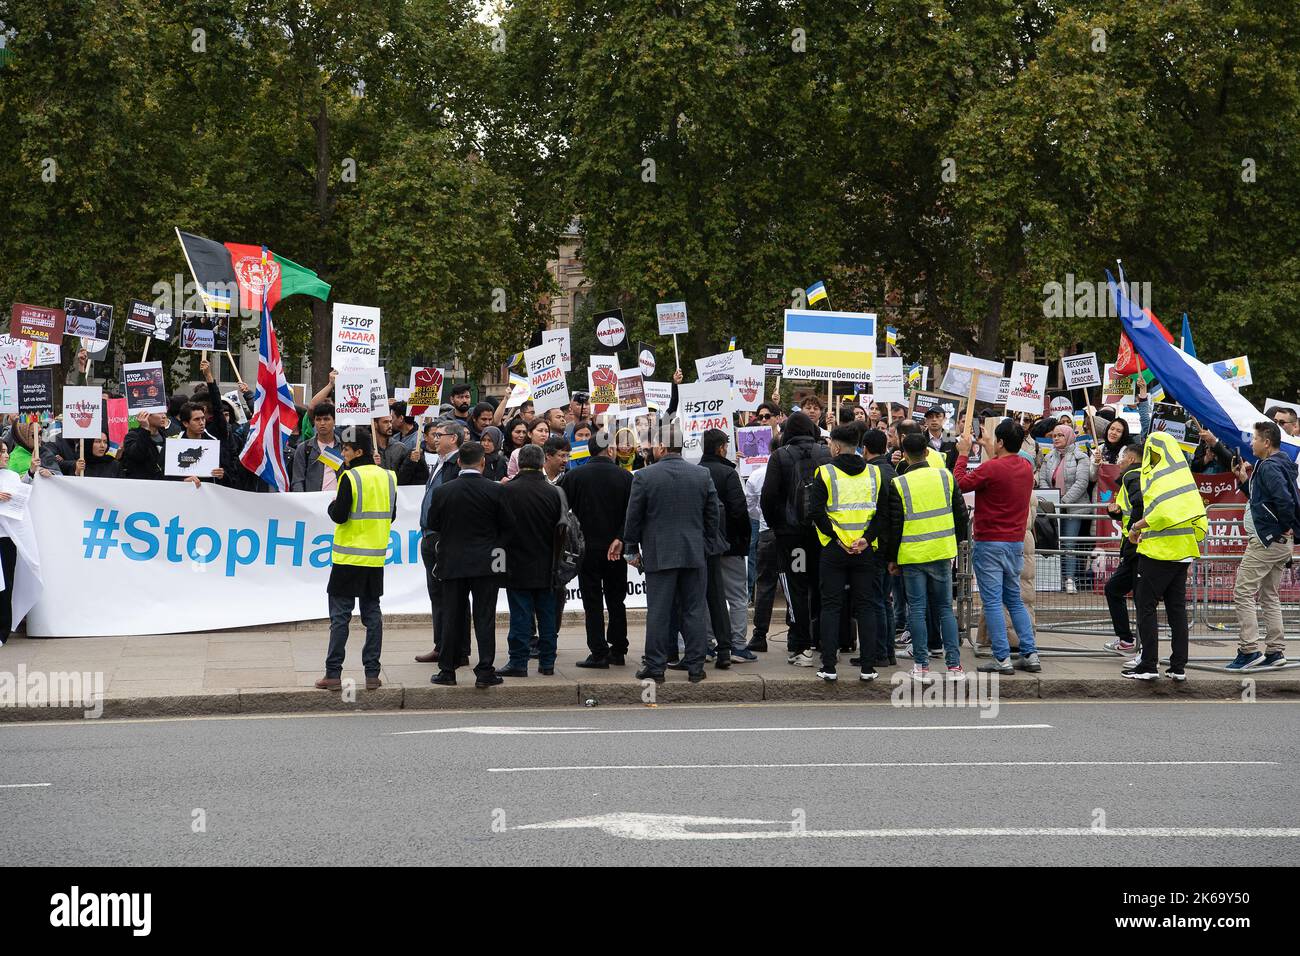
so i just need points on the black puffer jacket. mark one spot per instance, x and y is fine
(783, 483)
(731, 499)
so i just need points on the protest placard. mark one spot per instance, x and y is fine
(426, 390)
(1080, 371)
(1004, 388)
(702, 406)
(658, 395)
(672, 317)
(951, 406)
(35, 390)
(140, 317)
(146, 388)
(546, 381)
(718, 368)
(563, 338)
(36, 324)
(88, 320)
(1061, 405)
(748, 387)
(602, 382)
(83, 411)
(1234, 371)
(378, 392)
(355, 339)
(961, 368)
(236, 402)
(117, 415)
(887, 384)
(203, 332)
(755, 445)
(828, 345)
(611, 331)
(352, 398)
(773, 359)
(1028, 388)
(631, 391)
(191, 457)
(1117, 389)
(645, 359)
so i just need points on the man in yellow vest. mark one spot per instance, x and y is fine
(844, 510)
(1168, 538)
(927, 520)
(364, 509)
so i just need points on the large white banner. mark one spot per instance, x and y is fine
(151, 557)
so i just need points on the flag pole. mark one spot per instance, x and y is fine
(239, 378)
(676, 354)
(145, 354)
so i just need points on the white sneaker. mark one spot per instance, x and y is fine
(1069, 586)
(804, 659)
(956, 673)
(922, 675)
(903, 638)
(829, 676)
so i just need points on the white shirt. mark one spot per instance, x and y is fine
(753, 491)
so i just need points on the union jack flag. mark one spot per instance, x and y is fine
(274, 415)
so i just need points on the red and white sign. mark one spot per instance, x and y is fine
(426, 391)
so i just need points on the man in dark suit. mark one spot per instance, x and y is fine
(532, 513)
(934, 421)
(467, 515)
(447, 438)
(672, 527)
(598, 494)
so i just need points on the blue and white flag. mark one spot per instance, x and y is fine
(1193, 384)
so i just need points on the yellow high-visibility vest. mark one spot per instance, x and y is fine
(362, 540)
(1171, 505)
(929, 532)
(936, 458)
(850, 501)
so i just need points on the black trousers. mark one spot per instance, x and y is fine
(800, 562)
(8, 561)
(456, 595)
(1120, 585)
(1162, 581)
(853, 579)
(686, 587)
(604, 586)
(715, 596)
(765, 584)
(434, 587)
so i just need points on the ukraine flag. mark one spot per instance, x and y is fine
(816, 293)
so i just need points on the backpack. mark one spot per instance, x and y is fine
(805, 468)
(569, 544)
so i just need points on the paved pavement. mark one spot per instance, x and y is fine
(271, 670)
(1046, 783)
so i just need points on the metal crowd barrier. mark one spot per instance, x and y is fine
(1093, 558)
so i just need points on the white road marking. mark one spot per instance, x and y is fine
(656, 826)
(17, 786)
(878, 765)
(561, 731)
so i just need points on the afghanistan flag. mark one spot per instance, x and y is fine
(219, 265)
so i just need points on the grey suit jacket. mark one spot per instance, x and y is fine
(673, 516)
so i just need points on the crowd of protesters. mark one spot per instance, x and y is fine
(856, 518)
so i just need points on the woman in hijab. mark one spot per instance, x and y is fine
(97, 464)
(494, 463)
(1067, 469)
(625, 450)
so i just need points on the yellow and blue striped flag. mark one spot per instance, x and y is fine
(891, 335)
(331, 458)
(731, 346)
(579, 454)
(816, 293)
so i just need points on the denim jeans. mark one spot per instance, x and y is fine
(930, 585)
(340, 618)
(1069, 562)
(753, 556)
(997, 567)
(526, 606)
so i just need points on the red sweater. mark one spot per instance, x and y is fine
(1002, 488)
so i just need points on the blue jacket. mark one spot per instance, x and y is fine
(1274, 502)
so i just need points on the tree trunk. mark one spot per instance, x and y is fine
(321, 312)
